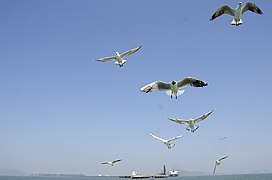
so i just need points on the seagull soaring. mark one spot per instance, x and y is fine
(173, 88)
(112, 162)
(218, 162)
(192, 122)
(119, 57)
(237, 13)
(168, 141)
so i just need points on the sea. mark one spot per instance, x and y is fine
(213, 177)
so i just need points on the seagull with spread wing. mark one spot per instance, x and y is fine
(237, 13)
(119, 58)
(218, 162)
(173, 88)
(168, 141)
(192, 122)
(112, 162)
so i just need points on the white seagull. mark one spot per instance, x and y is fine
(112, 162)
(173, 88)
(168, 141)
(218, 162)
(237, 13)
(119, 57)
(192, 122)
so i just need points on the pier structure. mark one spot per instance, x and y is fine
(144, 176)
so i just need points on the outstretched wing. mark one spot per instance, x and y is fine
(223, 158)
(190, 81)
(223, 10)
(106, 59)
(178, 121)
(130, 52)
(204, 116)
(214, 169)
(252, 7)
(156, 137)
(105, 163)
(174, 138)
(154, 86)
(115, 161)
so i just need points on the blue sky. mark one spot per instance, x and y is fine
(63, 112)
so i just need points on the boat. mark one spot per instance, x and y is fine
(173, 173)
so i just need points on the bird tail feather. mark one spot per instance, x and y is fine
(169, 92)
(237, 23)
(180, 92)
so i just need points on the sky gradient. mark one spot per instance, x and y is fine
(63, 112)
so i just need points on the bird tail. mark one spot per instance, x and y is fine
(169, 92)
(180, 92)
(237, 23)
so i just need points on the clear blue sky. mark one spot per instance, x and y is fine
(63, 112)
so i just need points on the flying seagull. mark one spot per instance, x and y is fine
(237, 13)
(119, 58)
(173, 88)
(112, 162)
(218, 162)
(222, 138)
(166, 142)
(192, 122)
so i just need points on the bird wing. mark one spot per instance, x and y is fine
(178, 121)
(214, 167)
(154, 86)
(223, 158)
(106, 59)
(156, 137)
(223, 10)
(190, 81)
(105, 163)
(129, 52)
(174, 138)
(117, 160)
(252, 7)
(204, 116)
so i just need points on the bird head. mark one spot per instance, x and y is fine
(174, 82)
(240, 3)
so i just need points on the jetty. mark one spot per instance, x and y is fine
(144, 176)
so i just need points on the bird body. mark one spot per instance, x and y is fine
(237, 13)
(192, 122)
(119, 58)
(174, 87)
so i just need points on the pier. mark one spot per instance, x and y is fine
(144, 176)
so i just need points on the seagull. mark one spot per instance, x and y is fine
(166, 142)
(112, 162)
(237, 13)
(173, 88)
(222, 138)
(119, 57)
(218, 162)
(192, 122)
